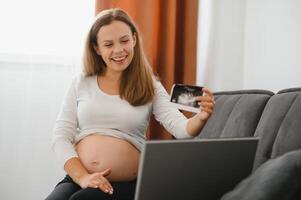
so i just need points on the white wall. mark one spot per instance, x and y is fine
(41, 43)
(272, 44)
(220, 44)
(35, 27)
(252, 44)
(30, 98)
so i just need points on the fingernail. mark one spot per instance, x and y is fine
(106, 190)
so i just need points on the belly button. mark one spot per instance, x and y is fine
(95, 162)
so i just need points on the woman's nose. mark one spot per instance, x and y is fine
(117, 48)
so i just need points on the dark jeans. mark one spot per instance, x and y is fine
(67, 189)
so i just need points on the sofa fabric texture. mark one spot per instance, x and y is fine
(279, 128)
(236, 113)
(278, 178)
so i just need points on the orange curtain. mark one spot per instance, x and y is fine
(169, 33)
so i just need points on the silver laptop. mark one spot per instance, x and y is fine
(193, 169)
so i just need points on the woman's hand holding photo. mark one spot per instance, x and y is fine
(206, 103)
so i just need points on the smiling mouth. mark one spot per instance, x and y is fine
(119, 59)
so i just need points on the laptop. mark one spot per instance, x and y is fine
(193, 169)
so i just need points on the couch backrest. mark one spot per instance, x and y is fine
(279, 128)
(236, 113)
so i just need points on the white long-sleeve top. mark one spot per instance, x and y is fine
(86, 110)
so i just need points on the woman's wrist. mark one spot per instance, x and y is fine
(195, 125)
(75, 169)
(201, 118)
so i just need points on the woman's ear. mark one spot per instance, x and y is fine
(134, 39)
(96, 49)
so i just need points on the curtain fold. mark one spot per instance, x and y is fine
(169, 33)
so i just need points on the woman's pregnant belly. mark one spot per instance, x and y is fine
(98, 152)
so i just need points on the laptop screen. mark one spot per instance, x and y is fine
(193, 169)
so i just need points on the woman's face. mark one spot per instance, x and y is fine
(115, 44)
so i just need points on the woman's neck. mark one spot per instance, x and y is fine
(109, 82)
(113, 77)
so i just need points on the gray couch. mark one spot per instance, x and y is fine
(276, 119)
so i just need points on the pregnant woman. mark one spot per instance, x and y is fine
(101, 127)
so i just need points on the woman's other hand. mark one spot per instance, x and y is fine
(97, 180)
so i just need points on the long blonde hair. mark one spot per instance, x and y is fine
(136, 84)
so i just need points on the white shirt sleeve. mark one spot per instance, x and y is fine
(66, 127)
(168, 115)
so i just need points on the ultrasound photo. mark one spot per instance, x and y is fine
(184, 97)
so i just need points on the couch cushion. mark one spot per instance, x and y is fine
(236, 113)
(279, 178)
(279, 128)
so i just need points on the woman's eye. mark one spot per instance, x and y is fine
(107, 45)
(124, 41)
